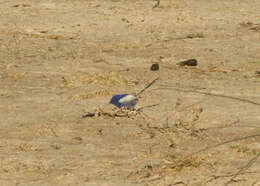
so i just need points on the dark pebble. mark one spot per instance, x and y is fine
(155, 67)
(189, 62)
(88, 115)
(78, 138)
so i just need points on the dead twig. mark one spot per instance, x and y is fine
(148, 106)
(214, 177)
(221, 127)
(232, 126)
(244, 168)
(225, 142)
(212, 94)
(217, 145)
(122, 112)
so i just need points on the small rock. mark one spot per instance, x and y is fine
(189, 62)
(78, 138)
(44, 31)
(154, 67)
(157, 3)
(257, 73)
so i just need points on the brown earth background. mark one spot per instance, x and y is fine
(60, 59)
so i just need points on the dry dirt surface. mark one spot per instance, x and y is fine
(61, 59)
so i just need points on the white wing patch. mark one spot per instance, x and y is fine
(127, 99)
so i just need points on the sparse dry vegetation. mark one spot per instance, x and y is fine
(62, 60)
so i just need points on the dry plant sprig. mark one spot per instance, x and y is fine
(223, 143)
(191, 161)
(241, 170)
(232, 124)
(187, 123)
(244, 168)
(212, 94)
(220, 144)
(214, 177)
(122, 112)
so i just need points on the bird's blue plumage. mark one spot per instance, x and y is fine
(115, 100)
(124, 100)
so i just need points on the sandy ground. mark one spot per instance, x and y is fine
(60, 59)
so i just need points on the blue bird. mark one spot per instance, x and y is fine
(128, 100)
(124, 100)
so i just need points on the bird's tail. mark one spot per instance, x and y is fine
(150, 84)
